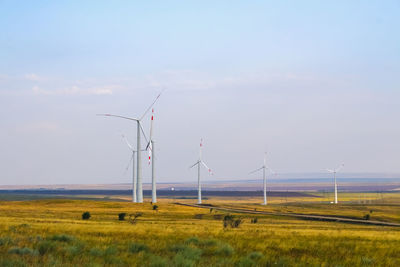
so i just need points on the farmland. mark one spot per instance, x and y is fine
(51, 232)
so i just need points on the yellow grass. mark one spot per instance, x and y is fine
(272, 241)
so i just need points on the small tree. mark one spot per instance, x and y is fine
(367, 216)
(121, 216)
(155, 207)
(86, 215)
(133, 217)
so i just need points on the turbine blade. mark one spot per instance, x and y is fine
(117, 116)
(141, 128)
(209, 170)
(256, 170)
(340, 167)
(126, 141)
(194, 164)
(265, 158)
(152, 104)
(149, 146)
(201, 146)
(151, 124)
(129, 164)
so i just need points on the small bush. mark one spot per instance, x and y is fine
(367, 217)
(12, 263)
(86, 215)
(209, 242)
(229, 220)
(192, 240)
(245, 262)
(96, 252)
(157, 261)
(137, 247)
(187, 252)
(224, 250)
(5, 241)
(181, 261)
(254, 220)
(62, 238)
(133, 217)
(22, 251)
(155, 207)
(255, 255)
(111, 250)
(366, 261)
(45, 247)
(121, 216)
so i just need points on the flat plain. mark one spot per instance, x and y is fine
(51, 232)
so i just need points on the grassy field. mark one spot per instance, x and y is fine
(52, 233)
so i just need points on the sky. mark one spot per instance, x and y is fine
(312, 83)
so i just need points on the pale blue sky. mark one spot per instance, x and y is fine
(315, 83)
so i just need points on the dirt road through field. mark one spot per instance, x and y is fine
(297, 215)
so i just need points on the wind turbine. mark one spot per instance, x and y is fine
(334, 171)
(263, 168)
(198, 163)
(139, 187)
(150, 148)
(134, 198)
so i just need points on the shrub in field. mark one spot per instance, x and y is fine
(62, 238)
(245, 262)
(255, 255)
(224, 250)
(254, 220)
(5, 241)
(367, 217)
(181, 261)
(133, 217)
(46, 246)
(86, 215)
(111, 250)
(192, 240)
(230, 220)
(137, 247)
(96, 252)
(75, 249)
(155, 207)
(157, 261)
(12, 263)
(366, 261)
(22, 251)
(121, 216)
(187, 252)
(208, 242)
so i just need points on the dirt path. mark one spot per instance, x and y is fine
(297, 215)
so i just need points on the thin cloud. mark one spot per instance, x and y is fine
(73, 90)
(34, 77)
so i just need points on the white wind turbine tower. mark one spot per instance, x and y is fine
(150, 148)
(264, 168)
(139, 186)
(334, 171)
(134, 198)
(198, 163)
